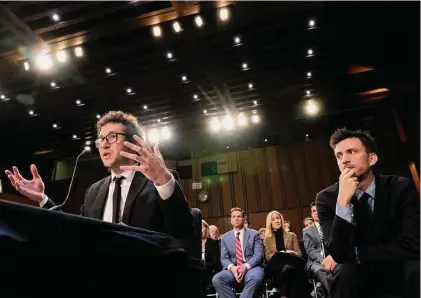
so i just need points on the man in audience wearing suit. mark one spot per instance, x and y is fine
(242, 256)
(313, 245)
(370, 223)
(141, 191)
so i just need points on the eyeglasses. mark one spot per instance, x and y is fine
(110, 138)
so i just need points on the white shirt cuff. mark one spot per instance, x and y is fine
(229, 266)
(165, 191)
(44, 201)
(345, 213)
(248, 266)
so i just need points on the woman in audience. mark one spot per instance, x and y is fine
(287, 226)
(277, 239)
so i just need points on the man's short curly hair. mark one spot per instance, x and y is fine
(364, 136)
(129, 121)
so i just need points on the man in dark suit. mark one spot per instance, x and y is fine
(141, 191)
(313, 245)
(242, 255)
(370, 222)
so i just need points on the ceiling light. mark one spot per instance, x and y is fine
(88, 143)
(78, 102)
(87, 148)
(75, 137)
(145, 107)
(311, 108)
(53, 84)
(26, 66)
(311, 23)
(308, 92)
(176, 26)
(237, 40)
(78, 52)
(108, 70)
(156, 30)
(266, 140)
(54, 125)
(309, 75)
(98, 116)
(165, 133)
(306, 135)
(159, 120)
(61, 56)
(250, 86)
(55, 17)
(3, 96)
(184, 78)
(224, 14)
(195, 96)
(310, 52)
(255, 102)
(255, 119)
(44, 62)
(153, 136)
(245, 66)
(228, 147)
(215, 124)
(199, 21)
(205, 112)
(169, 55)
(228, 123)
(31, 112)
(129, 90)
(242, 120)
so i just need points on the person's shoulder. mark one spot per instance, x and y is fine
(329, 192)
(253, 232)
(292, 234)
(99, 183)
(307, 229)
(393, 179)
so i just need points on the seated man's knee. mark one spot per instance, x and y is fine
(346, 270)
(216, 280)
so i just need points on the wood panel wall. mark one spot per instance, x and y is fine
(286, 179)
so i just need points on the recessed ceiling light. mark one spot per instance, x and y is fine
(108, 70)
(78, 102)
(26, 66)
(78, 52)
(224, 14)
(75, 137)
(195, 96)
(308, 92)
(311, 23)
(177, 27)
(228, 147)
(156, 30)
(53, 84)
(199, 21)
(129, 90)
(145, 107)
(54, 125)
(309, 75)
(61, 56)
(205, 112)
(31, 112)
(310, 52)
(44, 62)
(255, 102)
(266, 140)
(306, 135)
(98, 116)
(169, 55)
(250, 86)
(55, 17)
(3, 96)
(237, 40)
(184, 78)
(159, 120)
(245, 66)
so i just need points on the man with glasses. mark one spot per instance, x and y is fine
(141, 190)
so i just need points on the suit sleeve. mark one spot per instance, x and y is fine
(213, 255)
(313, 254)
(177, 214)
(296, 245)
(407, 245)
(225, 257)
(268, 253)
(259, 252)
(338, 233)
(82, 209)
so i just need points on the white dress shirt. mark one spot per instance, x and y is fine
(241, 236)
(165, 191)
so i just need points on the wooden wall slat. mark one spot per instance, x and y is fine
(300, 181)
(312, 172)
(250, 181)
(214, 197)
(287, 177)
(225, 185)
(276, 194)
(259, 158)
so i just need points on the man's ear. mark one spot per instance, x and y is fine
(373, 158)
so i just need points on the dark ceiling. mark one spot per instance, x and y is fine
(275, 37)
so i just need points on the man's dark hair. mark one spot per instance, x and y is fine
(364, 136)
(312, 204)
(131, 125)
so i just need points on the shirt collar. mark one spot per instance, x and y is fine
(371, 190)
(241, 232)
(128, 175)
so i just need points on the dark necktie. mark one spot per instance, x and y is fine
(363, 220)
(117, 198)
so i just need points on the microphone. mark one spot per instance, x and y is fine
(57, 207)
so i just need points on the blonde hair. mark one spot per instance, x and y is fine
(269, 230)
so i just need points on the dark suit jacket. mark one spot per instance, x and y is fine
(312, 246)
(144, 207)
(213, 255)
(396, 219)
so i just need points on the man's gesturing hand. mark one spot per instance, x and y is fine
(151, 163)
(32, 189)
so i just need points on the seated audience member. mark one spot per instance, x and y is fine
(308, 221)
(313, 245)
(287, 226)
(370, 224)
(210, 255)
(247, 222)
(214, 232)
(262, 232)
(277, 239)
(242, 255)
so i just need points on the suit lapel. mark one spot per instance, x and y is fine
(286, 239)
(138, 183)
(245, 241)
(99, 205)
(316, 234)
(381, 203)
